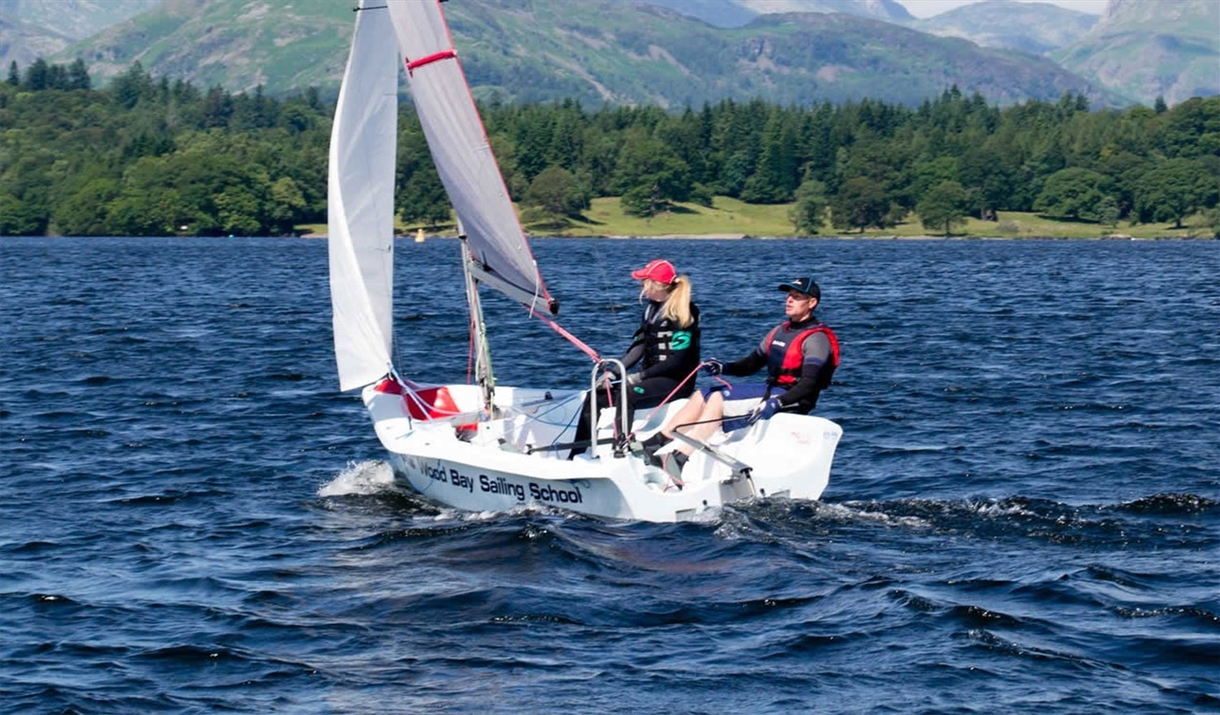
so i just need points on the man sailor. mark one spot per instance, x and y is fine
(800, 356)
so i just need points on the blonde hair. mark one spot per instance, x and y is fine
(677, 305)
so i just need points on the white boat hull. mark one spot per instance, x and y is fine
(496, 465)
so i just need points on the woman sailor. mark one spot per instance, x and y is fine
(665, 348)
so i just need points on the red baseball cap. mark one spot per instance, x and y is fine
(660, 270)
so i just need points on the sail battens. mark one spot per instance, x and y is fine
(461, 151)
(527, 296)
(434, 57)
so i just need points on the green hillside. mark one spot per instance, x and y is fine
(622, 53)
(1169, 48)
(76, 19)
(629, 52)
(1033, 28)
(231, 43)
(30, 29)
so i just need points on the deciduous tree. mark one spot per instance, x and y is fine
(808, 213)
(944, 206)
(557, 192)
(860, 203)
(1074, 193)
(1174, 189)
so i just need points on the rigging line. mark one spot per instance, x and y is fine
(470, 351)
(624, 318)
(722, 418)
(538, 416)
(425, 406)
(537, 271)
(606, 285)
(675, 390)
(537, 290)
(568, 426)
(570, 337)
(395, 337)
(610, 404)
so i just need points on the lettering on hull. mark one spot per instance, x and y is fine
(521, 490)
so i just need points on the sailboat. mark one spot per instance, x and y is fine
(484, 446)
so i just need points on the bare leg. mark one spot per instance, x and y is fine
(709, 421)
(689, 413)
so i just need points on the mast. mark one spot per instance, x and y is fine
(478, 329)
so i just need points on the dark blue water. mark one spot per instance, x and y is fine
(1022, 517)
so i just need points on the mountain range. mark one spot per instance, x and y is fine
(670, 53)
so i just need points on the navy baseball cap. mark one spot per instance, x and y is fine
(804, 285)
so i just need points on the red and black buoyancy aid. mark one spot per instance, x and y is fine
(785, 356)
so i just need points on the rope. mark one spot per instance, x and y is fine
(424, 405)
(610, 403)
(670, 396)
(470, 353)
(706, 422)
(570, 337)
(610, 398)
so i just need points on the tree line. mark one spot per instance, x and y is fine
(155, 156)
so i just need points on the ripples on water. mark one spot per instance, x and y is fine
(1022, 516)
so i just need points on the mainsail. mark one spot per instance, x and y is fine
(455, 135)
(360, 201)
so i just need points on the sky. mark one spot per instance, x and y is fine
(928, 8)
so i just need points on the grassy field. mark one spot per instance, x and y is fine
(726, 218)
(730, 218)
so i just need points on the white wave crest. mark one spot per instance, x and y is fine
(367, 477)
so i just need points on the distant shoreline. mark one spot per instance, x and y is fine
(732, 219)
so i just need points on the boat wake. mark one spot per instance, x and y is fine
(372, 476)
(1162, 520)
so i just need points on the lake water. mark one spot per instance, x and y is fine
(1023, 515)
